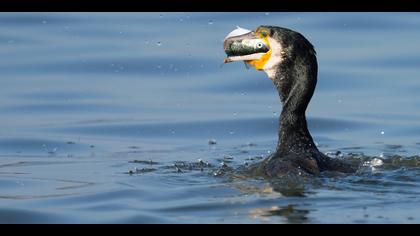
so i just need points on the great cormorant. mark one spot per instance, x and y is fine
(289, 60)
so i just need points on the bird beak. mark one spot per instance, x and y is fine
(244, 45)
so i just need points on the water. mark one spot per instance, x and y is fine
(104, 117)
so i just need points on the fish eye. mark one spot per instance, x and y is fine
(259, 45)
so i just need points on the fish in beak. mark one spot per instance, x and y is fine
(248, 46)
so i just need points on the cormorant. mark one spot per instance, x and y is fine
(289, 60)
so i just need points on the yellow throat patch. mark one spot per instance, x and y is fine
(259, 63)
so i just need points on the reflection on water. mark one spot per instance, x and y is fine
(292, 215)
(129, 118)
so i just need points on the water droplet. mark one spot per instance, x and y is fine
(146, 42)
(377, 162)
(161, 16)
(382, 132)
(44, 22)
(274, 113)
(340, 101)
(159, 43)
(210, 22)
(269, 152)
(231, 132)
(212, 142)
(267, 13)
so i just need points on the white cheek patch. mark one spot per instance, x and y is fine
(276, 58)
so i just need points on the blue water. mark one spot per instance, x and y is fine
(87, 100)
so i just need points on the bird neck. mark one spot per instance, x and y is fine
(295, 82)
(294, 135)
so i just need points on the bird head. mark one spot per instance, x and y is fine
(268, 48)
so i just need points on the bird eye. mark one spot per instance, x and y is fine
(264, 34)
(259, 45)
